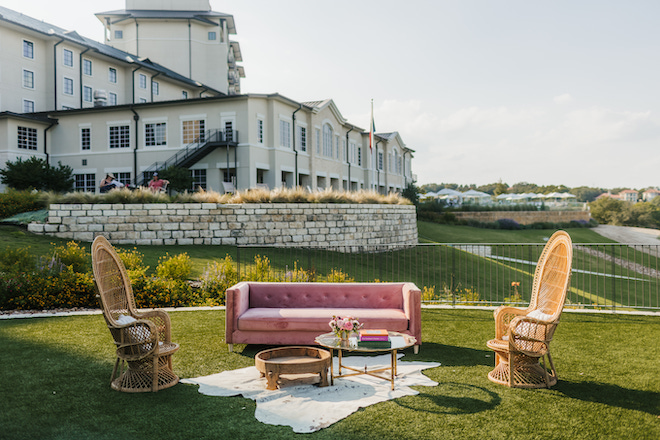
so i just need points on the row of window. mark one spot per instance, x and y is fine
(155, 134)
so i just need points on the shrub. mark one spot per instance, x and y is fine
(162, 292)
(337, 276)
(507, 223)
(43, 289)
(177, 268)
(217, 278)
(15, 202)
(16, 260)
(38, 174)
(298, 275)
(75, 256)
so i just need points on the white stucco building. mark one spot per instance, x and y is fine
(127, 108)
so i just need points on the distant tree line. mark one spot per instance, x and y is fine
(581, 193)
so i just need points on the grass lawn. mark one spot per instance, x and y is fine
(437, 233)
(54, 384)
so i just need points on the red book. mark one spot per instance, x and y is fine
(374, 335)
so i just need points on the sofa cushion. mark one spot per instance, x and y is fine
(329, 295)
(318, 319)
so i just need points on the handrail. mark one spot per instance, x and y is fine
(209, 136)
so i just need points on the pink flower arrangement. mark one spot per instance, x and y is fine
(342, 327)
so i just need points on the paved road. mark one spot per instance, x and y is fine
(629, 235)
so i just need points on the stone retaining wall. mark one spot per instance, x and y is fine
(324, 225)
(525, 217)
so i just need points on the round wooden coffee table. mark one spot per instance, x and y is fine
(292, 360)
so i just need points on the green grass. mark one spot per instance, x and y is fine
(55, 375)
(437, 233)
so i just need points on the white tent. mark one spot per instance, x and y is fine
(476, 196)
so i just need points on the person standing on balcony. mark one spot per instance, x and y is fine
(156, 184)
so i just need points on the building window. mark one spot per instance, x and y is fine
(199, 179)
(260, 131)
(184, 95)
(229, 131)
(119, 136)
(327, 140)
(337, 145)
(155, 134)
(27, 138)
(318, 141)
(67, 58)
(87, 94)
(84, 182)
(112, 75)
(28, 79)
(112, 98)
(87, 67)
(85, 138)
(68, 86)
(359, 154)
(28, 106)
(143, 81)
(124, 178)
(302, 138)
(213, 35)
(380, 161)
(193, 131)
(119, 35)
(285, 134)
(154, 88)
(28, 49)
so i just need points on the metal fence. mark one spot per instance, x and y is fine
(605, 276)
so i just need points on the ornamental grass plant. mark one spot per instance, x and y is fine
(252, 195)
(55, 384)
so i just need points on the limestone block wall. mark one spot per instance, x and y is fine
(323, 225)
(525, 217)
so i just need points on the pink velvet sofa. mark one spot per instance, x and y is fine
(296, 313)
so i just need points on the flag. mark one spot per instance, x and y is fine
(372, 127)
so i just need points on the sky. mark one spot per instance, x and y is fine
(552, 93)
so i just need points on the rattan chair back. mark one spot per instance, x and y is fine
(112, 281)
(552, 276)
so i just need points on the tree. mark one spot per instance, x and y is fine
(35, 173)
(609, 211)
(180, 178)
(411, 192)
(586, 194)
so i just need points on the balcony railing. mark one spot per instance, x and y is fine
(605, 276)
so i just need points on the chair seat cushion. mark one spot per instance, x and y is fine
(318, 319)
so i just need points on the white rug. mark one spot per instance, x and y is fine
(308, 408)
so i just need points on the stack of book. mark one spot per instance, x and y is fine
(374, 338)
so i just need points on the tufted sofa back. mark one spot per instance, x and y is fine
(308, 295)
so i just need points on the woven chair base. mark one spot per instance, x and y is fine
(527, 373)
(138, 377)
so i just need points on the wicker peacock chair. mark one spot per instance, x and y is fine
(144, 348)
(522, 336)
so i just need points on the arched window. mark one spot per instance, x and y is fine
(327, 140)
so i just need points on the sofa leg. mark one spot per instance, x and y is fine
(231, 347)
(416, 349)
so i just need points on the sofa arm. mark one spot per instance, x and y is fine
(412, 307)
(237, 301)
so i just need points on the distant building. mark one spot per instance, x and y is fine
(650, 194)
(627, 195)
